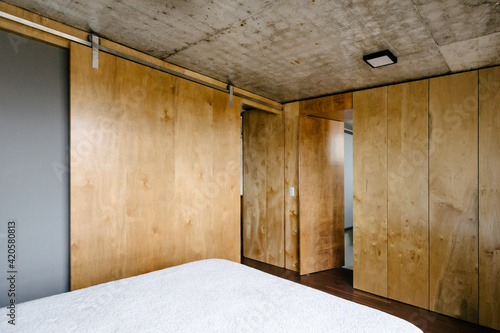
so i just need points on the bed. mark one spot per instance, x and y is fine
(211, 295)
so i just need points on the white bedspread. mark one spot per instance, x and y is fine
(204, 296)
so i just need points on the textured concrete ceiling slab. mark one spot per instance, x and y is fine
(472, 53)
(291, 50)
(159, 28)
(296, 54)
(457, 20)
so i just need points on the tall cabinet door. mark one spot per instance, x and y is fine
(370, 190)
(408, 222)
(321, 185)
(263, 191)
(453, 195)
(489, 197)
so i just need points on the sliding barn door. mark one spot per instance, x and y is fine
(321, 200)
(155, 170)
(263, 191)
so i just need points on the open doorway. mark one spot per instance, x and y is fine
(262, 202)
(321, 184)
(325, 167)
(348, 195)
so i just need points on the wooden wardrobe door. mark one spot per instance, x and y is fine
(370, 190)
(321, 200)
(408, 188)
(263, 191)
(489, 197)
(453, 195)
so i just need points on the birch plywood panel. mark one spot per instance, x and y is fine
(370, 190)
(453, 195)
(321, 183)
(154, 171)
(291, 114)
(489, 197)
(334, 107)
(263, 193)
(408, 221)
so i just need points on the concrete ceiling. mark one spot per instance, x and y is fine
(295, 49)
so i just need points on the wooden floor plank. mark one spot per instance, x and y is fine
(338, 282)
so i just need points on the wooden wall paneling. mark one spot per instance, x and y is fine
(489, 197)
(407, 168)
(453, 195)
(370, 190)
(334, 107)
(321, 204)
(291, 114)
(275, 192)
(252, 105)
(263, 191)
(154, 171)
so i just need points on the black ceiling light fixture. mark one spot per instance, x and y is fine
(379, 59)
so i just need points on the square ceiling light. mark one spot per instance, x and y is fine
(379, 59)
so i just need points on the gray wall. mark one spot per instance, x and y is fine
(348, 179)
(348, 170)
(34, 179)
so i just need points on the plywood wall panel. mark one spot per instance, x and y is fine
(321, 183)
(334, 107)
(489, 197)
(291, 114)
(453, 195)
(263, 191)
(370, 190)
(155, 174)
(408, 222)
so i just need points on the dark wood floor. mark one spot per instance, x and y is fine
(338, 282)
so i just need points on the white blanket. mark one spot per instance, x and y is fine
(204, 296)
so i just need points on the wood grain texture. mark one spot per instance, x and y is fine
(489, 197)
(453, 195)
(249, 105)
(321, 204)
(155, 174)
(334, 107)
(407, 210)
(370, 190)
(263, 192)
(291, 114)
